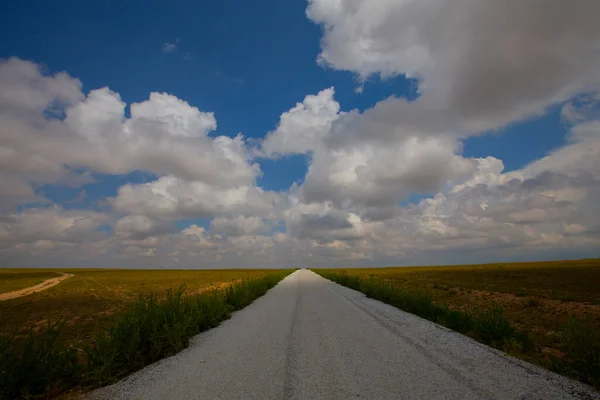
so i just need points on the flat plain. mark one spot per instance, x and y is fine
(92, 295)
(541, 300)
(20, 279)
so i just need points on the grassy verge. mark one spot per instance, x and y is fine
(487, 326)
(92, 296)
(580, 349)
(41, 366)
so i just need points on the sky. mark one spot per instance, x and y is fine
(319, 133)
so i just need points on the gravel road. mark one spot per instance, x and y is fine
(309, 338)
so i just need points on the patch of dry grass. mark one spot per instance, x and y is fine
(92, 295)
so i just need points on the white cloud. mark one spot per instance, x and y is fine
(169, 47)
(378, 174)
(367, 162)
(170, 197)
(139, 227)
(303, 127)
(51, 225)
(578, 158)
(24, 88)
(163, 135)
(238, 225)
(491, 62)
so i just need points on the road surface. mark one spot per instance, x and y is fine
(47, 284)
(309, 338)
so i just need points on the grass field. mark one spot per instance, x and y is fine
(541, 300)
(20, 279)
(90, 296)
(100, 325)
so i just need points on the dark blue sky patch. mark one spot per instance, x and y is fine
(520, 143)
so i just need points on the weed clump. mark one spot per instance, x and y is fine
(35, 364)
(581, 347)
(532, 302)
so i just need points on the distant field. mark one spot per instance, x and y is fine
(91, 295)
(97, 326)
(17, 279)
(538, 298)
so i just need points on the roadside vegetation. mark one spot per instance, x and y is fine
(42, 362)
(545, 313)
(91, 296)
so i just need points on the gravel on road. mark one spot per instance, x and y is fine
(309, 338)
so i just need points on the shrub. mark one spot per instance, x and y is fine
(491, 327)
(582, 352)
(532, 302)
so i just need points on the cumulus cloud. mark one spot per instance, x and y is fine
(476, 72)
(164, 135)
(139, 227)
(491, 62)
(171, 197)
(303, 127)
(51, 226)
(365, 162)
(238, 225)
(51, 133)
(377, 175)
(25, 88)
(480, 66)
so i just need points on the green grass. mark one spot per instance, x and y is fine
(40, 365)
(20, 279)
(545, 313)
(581, 358)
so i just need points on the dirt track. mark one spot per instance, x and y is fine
(47, 284)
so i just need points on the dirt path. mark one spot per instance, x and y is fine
(47, 284)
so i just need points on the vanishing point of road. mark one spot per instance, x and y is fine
(309, 338)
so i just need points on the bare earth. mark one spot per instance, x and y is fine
(47, 284)
(309, 338)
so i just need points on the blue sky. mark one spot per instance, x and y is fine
(249, 63)
(246, 62)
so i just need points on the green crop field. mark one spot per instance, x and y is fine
(555, 304)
